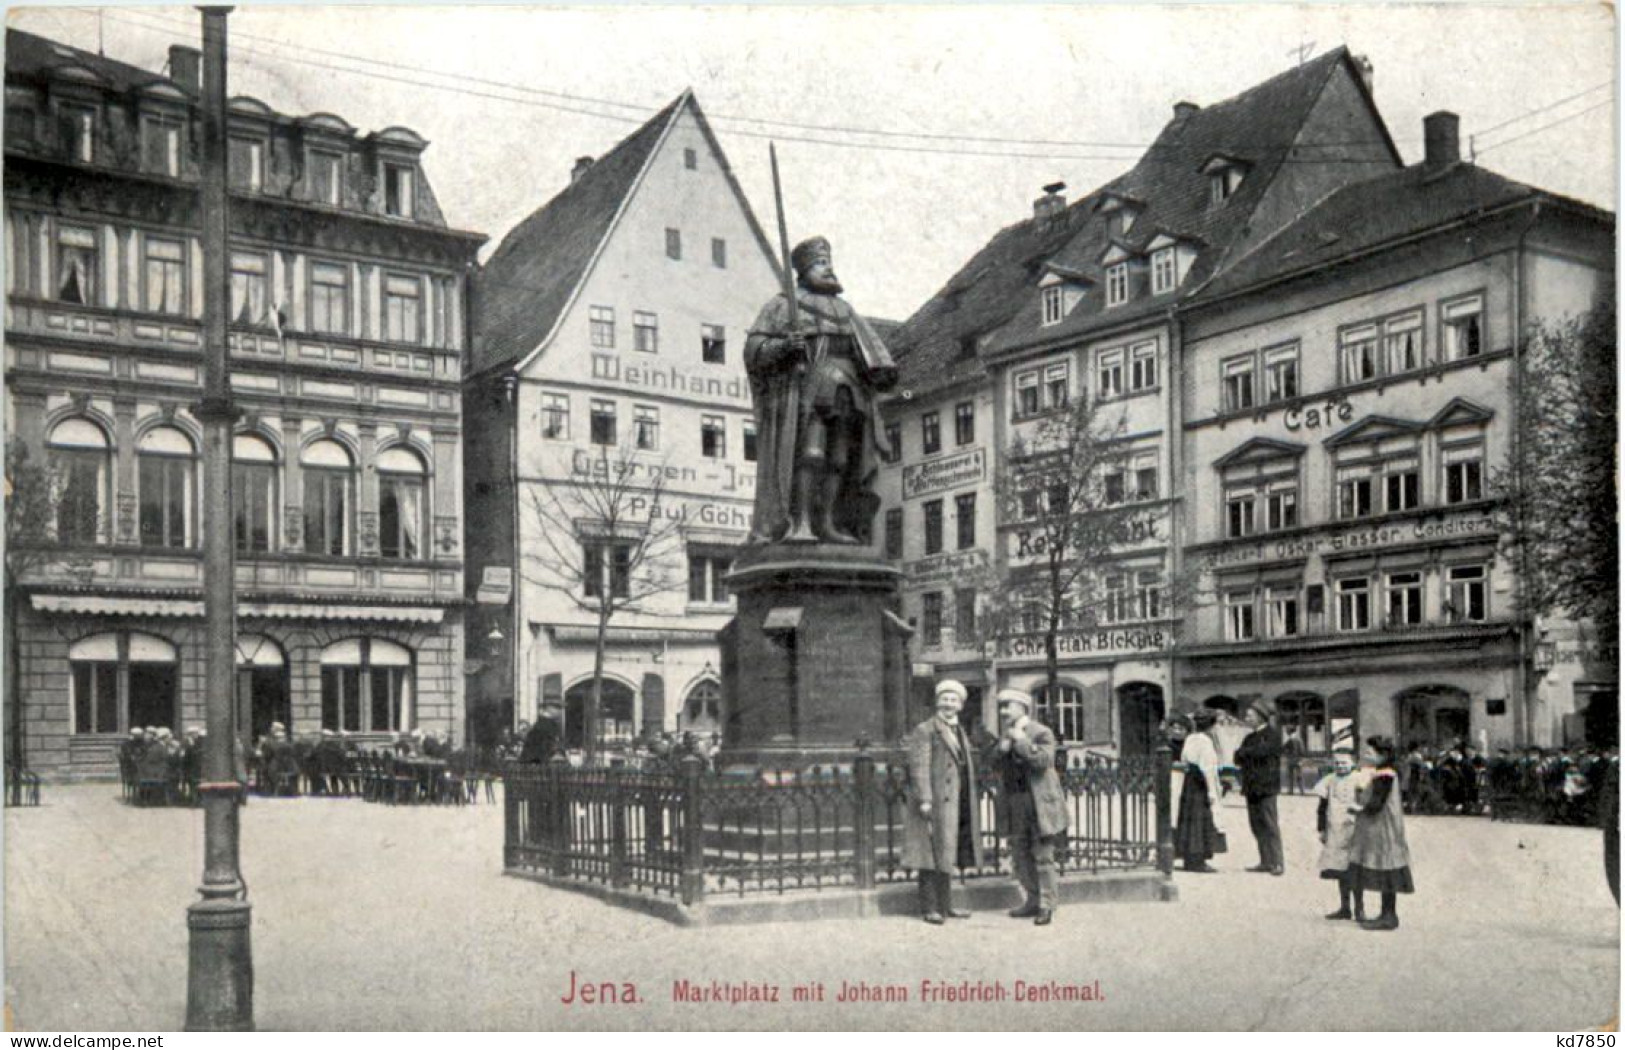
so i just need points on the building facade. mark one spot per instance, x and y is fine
(348, 300)
(612, 447)
(1350, 406)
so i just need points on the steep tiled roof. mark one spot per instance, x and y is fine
(29, 56)
(993, 297)
(524, 287)
(1374, 212)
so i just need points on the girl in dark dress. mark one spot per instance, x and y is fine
(1380, 859)
(1197, 837)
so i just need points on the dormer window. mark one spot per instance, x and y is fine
(1120, 213)
(79, 133)
(1164, 272)
(325, 177)
(246, 163)
(1054, 304)
(1117, 284)
(398, 190)
(161, 145)
(1222, 184)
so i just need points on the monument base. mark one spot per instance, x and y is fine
(815, 664)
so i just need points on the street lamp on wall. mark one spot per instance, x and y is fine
(1545, 656)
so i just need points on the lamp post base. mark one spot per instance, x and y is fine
(220, 967)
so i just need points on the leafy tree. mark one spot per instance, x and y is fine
(1561, 513)
(604, 540)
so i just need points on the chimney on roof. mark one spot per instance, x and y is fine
(582, 164)
(1368, 73)
(185, 63)
(1051, 204)
(1185, 109)
(1441, 132)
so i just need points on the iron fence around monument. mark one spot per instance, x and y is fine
(688, 833)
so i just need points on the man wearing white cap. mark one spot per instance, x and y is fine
(941, 830)
(1032, 803)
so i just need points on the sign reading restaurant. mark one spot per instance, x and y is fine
(949, 472)
(1349, 540)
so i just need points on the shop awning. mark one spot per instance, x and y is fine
(99, 605)
(105, 605)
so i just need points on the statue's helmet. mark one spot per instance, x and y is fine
(811, 250)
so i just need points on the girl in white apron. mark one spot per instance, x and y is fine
(1337, 791)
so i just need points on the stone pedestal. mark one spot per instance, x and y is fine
(816, 659)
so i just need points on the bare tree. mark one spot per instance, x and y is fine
(32, 544)
(1561, 508)
(604, 539)
(1071, 506)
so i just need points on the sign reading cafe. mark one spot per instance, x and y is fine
(963, 468)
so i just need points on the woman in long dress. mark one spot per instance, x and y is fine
(1197, 837)
(1380, 859)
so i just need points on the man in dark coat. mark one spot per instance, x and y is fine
(542, 742)
(942, 829)
(1259, 757)
(1032, 803)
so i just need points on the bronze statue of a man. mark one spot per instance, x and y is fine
(819, 435)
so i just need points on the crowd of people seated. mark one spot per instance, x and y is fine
(653, 751)
(156, 768)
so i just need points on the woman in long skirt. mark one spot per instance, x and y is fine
(1197, 837)
(1380, 859)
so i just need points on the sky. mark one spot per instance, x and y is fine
(947, 120)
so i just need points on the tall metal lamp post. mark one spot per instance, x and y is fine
(220, 965)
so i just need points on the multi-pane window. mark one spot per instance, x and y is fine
(601, 327)
(76, 265)
(1145, 477)
(894, 532)
(1148, 594)
(965, 519)
(250, 287)
(161, 145)
(931, 619)
(964, 423)
(1462, 321)
(1114, 485)
(606, 568)
(1057, 384)
(1281, 505)
(1031, 503)
(1115, 599)
(1402, 342)
(645, 331)
(645, 428)
(403, 308)
(402, 504)
(245, 163)
(1466, 594)
(719, 253)
(556, 416)
(330, 298)
(1238, 616)
(329, 494)
(1164, 274)
(1053, 302)
(1109, 374)
(932, 509)
(1142, 366)
(713, 437)
(1261, 495)
(1404, 598)
(398, 190)
(1463, 472)
(602, 421)
(894, 441)
(79, 132)
(1117, 284)
(748, 440)
(1281, 373)
(1401, 483)
(324, 174)
(930, 433)
(965, 615)
(1237, 377)
(79, 457)
(253, 494)
(1358, 353)
(1027, 394)
(1354, 491)
(1238, 512)
(367, 686)
(713, 344)
(164, 275)
(121, 680)
(167, 471)
(1353, 604)
(707, 568)
(1222, 184)
(674, 243)
(1062, 712)
(1281, 609)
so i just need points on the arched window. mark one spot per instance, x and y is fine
(367, 686)
(168, 467)
(1062, 713)
(329, 495)
(120, 680)
(401, 504)
(80, 455)
(702, 711)
(253, 494)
